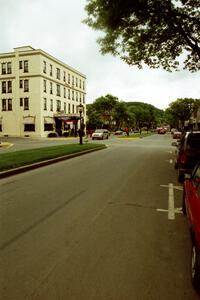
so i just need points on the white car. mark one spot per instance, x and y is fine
(100, 134)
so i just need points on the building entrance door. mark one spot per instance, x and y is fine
(58, 126)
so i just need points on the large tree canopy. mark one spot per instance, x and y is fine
(181, 110)
(151, 32)
(107, 111)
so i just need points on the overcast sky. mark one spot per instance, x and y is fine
(55, 26)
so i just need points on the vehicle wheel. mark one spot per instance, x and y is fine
(195, 267)
(183, 203)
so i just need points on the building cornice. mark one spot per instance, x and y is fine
(33, 51)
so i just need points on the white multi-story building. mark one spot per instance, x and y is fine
(39, 94)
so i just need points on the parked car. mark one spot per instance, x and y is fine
(176, 134)
(161, 130)
(191, 207)
(100, 134)
(188, 153)
(119, 132)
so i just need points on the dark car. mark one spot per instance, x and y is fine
(191, 207)
(188, 153)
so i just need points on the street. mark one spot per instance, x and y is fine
(97, 227)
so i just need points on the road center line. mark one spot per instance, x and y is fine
(171, 211)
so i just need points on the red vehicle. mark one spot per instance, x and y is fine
(161, 130)
(191, 207)
(188, 153)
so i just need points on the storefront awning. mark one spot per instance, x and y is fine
(71, 118)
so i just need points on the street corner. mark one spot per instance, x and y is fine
(5, 145)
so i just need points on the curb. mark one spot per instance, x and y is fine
(26, 168)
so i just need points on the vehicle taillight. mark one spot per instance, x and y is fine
(183, 158)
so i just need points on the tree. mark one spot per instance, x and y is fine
(121, 115)
(181, 110)
(105, 107)
(94, 119)
(145, 114)
(151, 32)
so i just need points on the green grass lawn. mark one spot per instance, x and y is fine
(137, 135)
(20, 158)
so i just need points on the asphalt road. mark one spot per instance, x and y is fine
(96, 227)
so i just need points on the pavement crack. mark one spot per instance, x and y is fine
(38, 222)
(134, 204)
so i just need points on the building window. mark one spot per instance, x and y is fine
(76, 82)
(45, 86)
(69, 94)
(58, 90)
(3, 104)
(0, 127)
(80, 83)
(26, 66)
(72, 80)
(72, 95)
(80, 97)
(76, 96)
(29, 127)
(45, 103)
(51, 88)
(10, 104)
(58, 102)
(6, 104)
(69, 108)
(9, 86)
(51, 70)
(68, 78)
(57, 73)
(83, 85)
(21, 102)
(26, 103)
(48, 127)
(3, 68)
(65, 108)
(21, 84)
(51, 105)
(9, 68)
(64, 76)
(73, 108)
(21, 64)
(3, 87)
(83, 98)
(44, 67)
(26, 85)
(64, 92)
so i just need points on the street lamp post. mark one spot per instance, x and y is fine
(80, 109)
